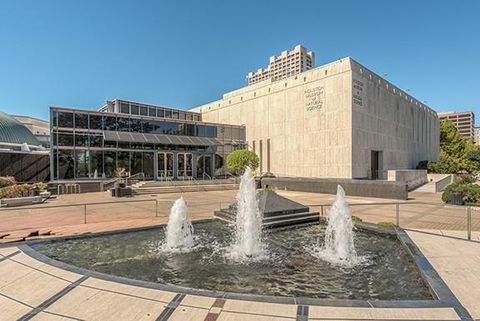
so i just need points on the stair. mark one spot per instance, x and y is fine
(277, 210)
(159, 187)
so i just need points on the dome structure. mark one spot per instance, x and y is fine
(15, 133)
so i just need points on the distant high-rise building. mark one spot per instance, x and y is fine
(476, 135)
(464, 121)
(287, 64)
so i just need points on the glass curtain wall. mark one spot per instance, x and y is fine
(80, 152)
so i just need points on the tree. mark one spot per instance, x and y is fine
(241, 158)
(457, 153)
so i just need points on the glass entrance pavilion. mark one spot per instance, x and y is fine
(162, 143)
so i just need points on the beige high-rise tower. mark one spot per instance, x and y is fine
(289, 63)
(464, 121)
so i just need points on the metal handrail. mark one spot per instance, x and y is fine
(467, 208)
(141, 174)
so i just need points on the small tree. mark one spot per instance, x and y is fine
(241, 158)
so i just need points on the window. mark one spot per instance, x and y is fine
(81, 140)
(134, 109)
(143, 111)
(123, 124)
(136, 125)
(96, 122)
(65, 119)
(65, 139)
(109, 123)
(124, 108)
(152, 112)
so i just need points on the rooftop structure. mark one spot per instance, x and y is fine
(288, 63)
(15, 136)
(38, 127)
(464, 121)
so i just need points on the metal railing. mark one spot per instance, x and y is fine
(410, 215)
(138, 176)
(450, 213)
(70, 188)
(20, 218)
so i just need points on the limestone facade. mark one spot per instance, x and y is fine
(328, 122)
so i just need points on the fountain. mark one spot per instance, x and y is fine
(179, 232)
(247, 241)
(339, 247)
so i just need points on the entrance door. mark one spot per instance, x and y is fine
(184, 165)
(375, 164)
(165, 165)
(204, 167)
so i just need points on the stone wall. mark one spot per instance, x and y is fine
(389, 120)
(413, 178)
(325, 123)
(352, 187)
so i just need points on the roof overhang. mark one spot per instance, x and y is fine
(160, 139)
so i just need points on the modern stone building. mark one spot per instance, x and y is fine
(287, 64)
(339, 120)
(464, 121)
(160, 142)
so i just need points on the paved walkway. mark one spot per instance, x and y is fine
(33, 290)
(147, 210)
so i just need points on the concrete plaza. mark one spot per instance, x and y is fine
(39, 291)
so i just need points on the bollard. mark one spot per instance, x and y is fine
(321, 210)
(84, 213)
(397, 212)
(156, 208)
(469, 223)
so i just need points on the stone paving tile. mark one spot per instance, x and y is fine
(8, 250)
(338, 313)
(269, 309)
(11, 310)
(197, 301)
(129, 290)
(27, 285)
(92, 304)
(458, 264)
(183, 313)
(229, 316)
(44, 316)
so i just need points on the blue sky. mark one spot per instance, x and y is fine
(183, 54)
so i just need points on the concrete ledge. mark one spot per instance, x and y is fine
(352, 187)
(20, 201)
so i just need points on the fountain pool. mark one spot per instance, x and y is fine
(386, 273)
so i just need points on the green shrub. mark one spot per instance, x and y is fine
(471, 192)
(356, 219)
(465, 178)
(40, 186)
(442, 167)
(241, 158)
(7, 181)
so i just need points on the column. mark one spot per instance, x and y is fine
(155, 165)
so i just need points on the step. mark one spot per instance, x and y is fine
(277, 221)
(288, 216)
(179, 189)
(292, 221)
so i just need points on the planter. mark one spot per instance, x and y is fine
(121, 191)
